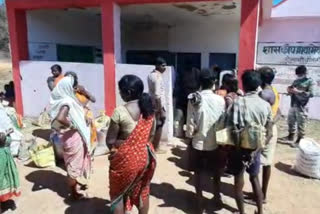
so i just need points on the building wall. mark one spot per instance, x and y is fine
(210, 37)
(297, 8)
(144, 39)
(76, 27)
(207, 37)
(117, 33)
(34, 85)
(35, 92)
(291, 30)
(70, 27)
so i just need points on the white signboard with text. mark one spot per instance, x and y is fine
(43, 52)
(275, 53)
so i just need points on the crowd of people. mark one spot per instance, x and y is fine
(246, 118)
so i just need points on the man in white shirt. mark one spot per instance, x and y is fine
(157, 92)
(205, 108)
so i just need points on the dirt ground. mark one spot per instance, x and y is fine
(45, 190)
(172, 190)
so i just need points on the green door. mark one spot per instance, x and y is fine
(72, 53)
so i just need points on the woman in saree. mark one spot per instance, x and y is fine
(85, 97)
(68, 119)
(9, 177)
(132, 159)
(10, 120)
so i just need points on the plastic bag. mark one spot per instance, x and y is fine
(42, 153)
(102, 121)
(308, 158)
(101, 148)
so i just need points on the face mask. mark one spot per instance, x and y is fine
(301, 77)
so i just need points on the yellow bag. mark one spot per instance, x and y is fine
(43, 155)
(224, 138)
(102, 121)
(253, 137)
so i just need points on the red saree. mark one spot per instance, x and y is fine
(132, 168)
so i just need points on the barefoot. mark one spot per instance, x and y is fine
(199, 207)
(253, 202)
(248, 195)
(9, 205)
(264, 201)
(217, 202)
(161, 151)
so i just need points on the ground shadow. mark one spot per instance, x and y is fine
(8, 205)
(31, 164)
(45, 179)
(42, 133)
(91, 206)
(226, 188)
(172, 197)
(181, 199)
(180, 159)
(286, 168)
(285, 143)
(289, 170)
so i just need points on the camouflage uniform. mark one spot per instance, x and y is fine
(298, 113)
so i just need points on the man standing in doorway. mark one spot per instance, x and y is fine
(157, 91)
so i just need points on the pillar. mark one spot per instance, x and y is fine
(107, 15)
(17, 24)
(248, 35)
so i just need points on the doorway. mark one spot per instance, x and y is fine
(148, 57)
(226, 61)
(187, 61)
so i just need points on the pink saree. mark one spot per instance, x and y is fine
(76, 157)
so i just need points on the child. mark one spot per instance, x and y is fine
(300, 91)
(9, 178)
(270, 95)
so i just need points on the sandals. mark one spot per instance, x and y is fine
(218, 203)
